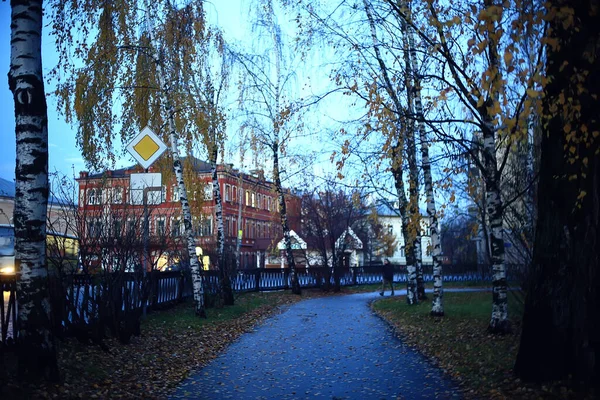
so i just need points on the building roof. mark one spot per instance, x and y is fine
(197, 164)
(7, 188)
(386, 208)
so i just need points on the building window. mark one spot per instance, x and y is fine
(175, 193)
(163, 194)
(226, 227)
(401, 251)
(160, 226)
(227, 192)
(94, 196)
(208, 192)
(247, 197)
(253, 199)
(94, 227)
(130, 226)
(117, 195)
(205, 227)
(234, 192)
(117, 227)
(390, 229)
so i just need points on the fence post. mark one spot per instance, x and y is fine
(286, 274)
(257, 280)
(154, 283)
(354, 272)
(181, 284)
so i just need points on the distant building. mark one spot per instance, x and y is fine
(108, 196)
(388, 216)
(62, 241)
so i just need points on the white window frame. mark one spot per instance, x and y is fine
(227, 192)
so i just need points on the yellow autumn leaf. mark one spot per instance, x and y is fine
(508, 56)
(581, 195)
(533, 93)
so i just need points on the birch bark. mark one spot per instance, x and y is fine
(413, 169)
(499, 322)
(36, 345)
(166, 93)
(437, 306)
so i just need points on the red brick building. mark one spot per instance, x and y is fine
(105, 199)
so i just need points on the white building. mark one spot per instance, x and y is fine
(389, 217)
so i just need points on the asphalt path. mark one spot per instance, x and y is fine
(327, 348)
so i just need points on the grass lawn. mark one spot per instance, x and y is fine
(459, 344)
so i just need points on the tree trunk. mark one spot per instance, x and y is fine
(226, 290)
(437, 306)
(561, 335)
(499, 322)
(197, 284)
(284, 222)
(397, 170)
(409, 249)
(413, 169)
(36, 345)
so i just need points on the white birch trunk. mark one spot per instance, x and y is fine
(198, 288)
(226, 291)
(275, 146)
(499, 322)
(284, 224)
(437, 305)
(36, 347)
(413, 170)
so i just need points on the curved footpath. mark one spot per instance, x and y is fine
(325, 348)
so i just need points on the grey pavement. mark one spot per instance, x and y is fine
(325, 348)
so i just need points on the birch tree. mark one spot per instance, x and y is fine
(36, 344)
(493, 93)
(108, 100)
(437, 307)
(272, 118)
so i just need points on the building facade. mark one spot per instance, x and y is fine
(110, 205)
(390, 219)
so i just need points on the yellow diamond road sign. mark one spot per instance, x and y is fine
(146, 147)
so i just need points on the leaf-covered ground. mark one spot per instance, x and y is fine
(459, 344)
(173, 343)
